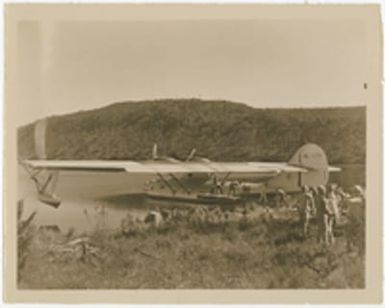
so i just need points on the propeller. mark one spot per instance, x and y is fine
(155, 155)
(191, 156)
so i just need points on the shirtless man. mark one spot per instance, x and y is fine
(306, 209)
(332, 213)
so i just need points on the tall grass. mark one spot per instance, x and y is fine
(25, 235)
(251, 253)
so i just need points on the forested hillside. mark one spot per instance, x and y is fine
(218, 130)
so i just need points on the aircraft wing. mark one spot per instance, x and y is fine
(154, 167)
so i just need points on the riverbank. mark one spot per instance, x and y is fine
(247, 253)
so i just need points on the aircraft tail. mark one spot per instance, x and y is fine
(313, 158)
(310, 156)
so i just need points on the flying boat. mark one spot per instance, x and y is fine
(180, 178)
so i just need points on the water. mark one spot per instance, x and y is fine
(352, 174)
(83, 195)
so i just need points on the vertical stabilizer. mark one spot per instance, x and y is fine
(313, 158)
(310, 156)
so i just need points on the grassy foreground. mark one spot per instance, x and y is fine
(255, 253)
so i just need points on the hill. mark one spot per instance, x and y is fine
(219, 130)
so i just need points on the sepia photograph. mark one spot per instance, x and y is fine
(193, 149)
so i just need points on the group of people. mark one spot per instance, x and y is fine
(229, 188)
(218, 187)
(323, 205)
(326, 205)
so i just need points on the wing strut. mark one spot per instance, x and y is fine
(226, 177)
(166, 183)
(180, 183)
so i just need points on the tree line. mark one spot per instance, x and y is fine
(219, 130)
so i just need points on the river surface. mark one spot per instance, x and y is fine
(83, 195)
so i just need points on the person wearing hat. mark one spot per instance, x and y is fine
(217, 187)
(280, 198)
(233, 188)
(342, 198)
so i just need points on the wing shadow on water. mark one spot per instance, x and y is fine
(125, 201)
(140, 201)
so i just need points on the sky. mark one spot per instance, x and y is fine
(66, 66)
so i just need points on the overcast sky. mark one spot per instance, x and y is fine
(70, 66)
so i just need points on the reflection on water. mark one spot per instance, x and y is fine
(85, 195)
(353, 174)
